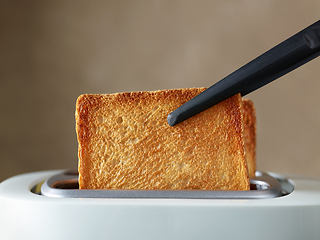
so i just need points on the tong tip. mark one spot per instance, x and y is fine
(172, 119)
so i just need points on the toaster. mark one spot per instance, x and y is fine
(50, 205)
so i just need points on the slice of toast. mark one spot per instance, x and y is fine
(125, 142)
(249, 133)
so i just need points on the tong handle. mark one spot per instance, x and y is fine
(281, 59)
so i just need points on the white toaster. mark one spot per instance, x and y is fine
(49, 205)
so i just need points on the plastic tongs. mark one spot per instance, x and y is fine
(281, 59)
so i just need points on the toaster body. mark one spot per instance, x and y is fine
(26, 212)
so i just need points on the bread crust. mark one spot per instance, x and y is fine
(250, 132)
(125, 142)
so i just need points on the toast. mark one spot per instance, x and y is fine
(249, 133)
(125, 142)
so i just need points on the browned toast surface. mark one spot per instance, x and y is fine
(125, 142)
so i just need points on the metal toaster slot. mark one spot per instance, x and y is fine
(66, 185)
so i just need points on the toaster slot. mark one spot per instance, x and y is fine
(66, 185)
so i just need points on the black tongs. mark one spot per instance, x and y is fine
(281, 59)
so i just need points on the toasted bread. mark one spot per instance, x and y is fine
(125, 142)
(249, 133)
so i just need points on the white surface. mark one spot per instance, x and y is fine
(24, 215)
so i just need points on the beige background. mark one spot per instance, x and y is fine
(53, 51)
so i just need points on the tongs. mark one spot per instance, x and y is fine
(278, 61)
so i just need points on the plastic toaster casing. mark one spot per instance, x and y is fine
(25, 215)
